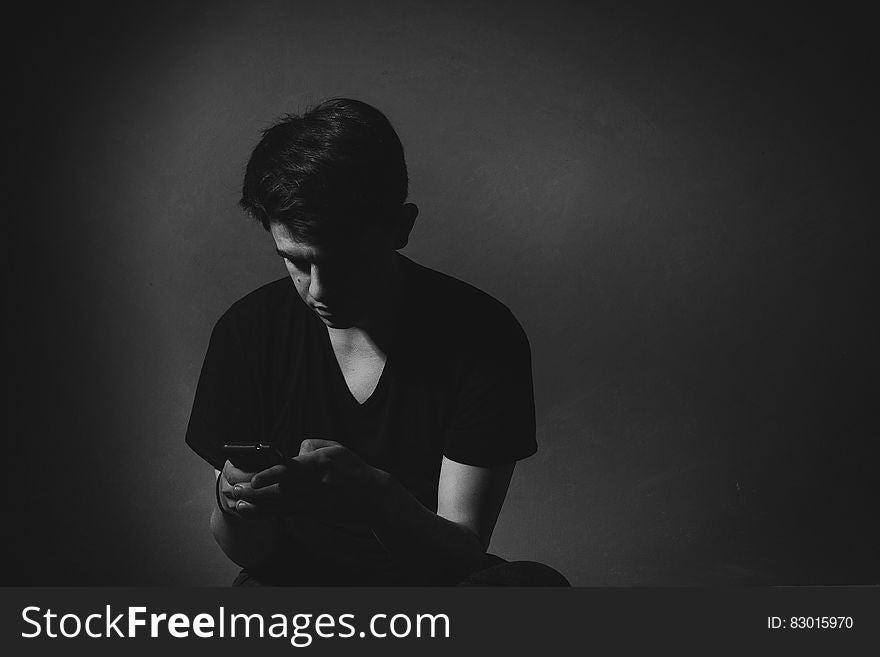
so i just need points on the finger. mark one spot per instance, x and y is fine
(226, 488)
(257, 495)
(311, 444)
(310, 465)
(235, 475)
(269, 476)
(247, 510)
(312, 468)
(227, 495)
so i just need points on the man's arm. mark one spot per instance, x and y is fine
(437, 547)
(449, 544)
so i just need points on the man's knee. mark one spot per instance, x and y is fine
(516, 573)
(245, 578)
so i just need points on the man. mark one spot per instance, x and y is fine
(401, 397)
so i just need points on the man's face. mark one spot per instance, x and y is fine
(339, 283)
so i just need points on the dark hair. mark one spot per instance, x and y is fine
(335, 169)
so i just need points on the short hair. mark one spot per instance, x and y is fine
(327, 173)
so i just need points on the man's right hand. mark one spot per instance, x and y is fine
(248, 531)
(299, 496)
(236, 484)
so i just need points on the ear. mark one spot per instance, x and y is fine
(405, 221)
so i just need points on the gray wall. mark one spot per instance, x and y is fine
(674, 204)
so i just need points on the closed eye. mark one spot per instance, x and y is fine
(302, 265)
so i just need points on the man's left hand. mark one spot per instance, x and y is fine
(323, 463)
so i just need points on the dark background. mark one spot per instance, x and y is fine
(676, 203)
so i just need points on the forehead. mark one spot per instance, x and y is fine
(287, 243)
(285, 240)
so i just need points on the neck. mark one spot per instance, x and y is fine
(375, 330)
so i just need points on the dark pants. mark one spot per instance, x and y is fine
(493, 571)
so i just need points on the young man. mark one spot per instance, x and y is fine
(401, 397)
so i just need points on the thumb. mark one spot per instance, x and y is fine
(312, 444)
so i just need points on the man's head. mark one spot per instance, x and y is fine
(331, 185)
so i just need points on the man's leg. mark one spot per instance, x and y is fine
(245, 578)
(495, 571)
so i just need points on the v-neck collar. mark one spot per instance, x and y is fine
(339, 375)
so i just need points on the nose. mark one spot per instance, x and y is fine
(317, 286)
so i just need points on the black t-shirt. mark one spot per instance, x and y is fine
(457, 382)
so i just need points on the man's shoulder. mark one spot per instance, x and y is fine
(272, 301)
(268, 294)
(449, 291)
(459, 307)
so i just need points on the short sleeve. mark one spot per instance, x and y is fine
(494, 417)
(223, 408)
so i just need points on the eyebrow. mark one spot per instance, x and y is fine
(308, 254)
(291, 256)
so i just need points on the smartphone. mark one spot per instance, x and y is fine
(252, 457)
